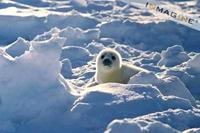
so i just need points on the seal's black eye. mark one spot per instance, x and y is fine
(113, 58)
(102, 56)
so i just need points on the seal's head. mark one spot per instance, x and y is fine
(108, 60)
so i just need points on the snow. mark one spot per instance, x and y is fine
(18, 47)
(167, 85)
(173, 56)
(47, 60)
(171, 121)
(198, 3)
(78, 59)
(139, 126)
(30, 84)
(195, 130)
(76, 36)
(120, 101)
(194, 63)
(189, 73)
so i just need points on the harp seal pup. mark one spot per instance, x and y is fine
(110, 68)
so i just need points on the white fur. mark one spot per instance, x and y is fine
(118, 72)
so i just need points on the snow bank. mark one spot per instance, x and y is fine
(120, 101)
(174, 121)
(30, 84)
(167, 85)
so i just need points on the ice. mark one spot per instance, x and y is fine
(66, 70)
(140, 35)
(188, 72)
(194, 64)
(30, 84)
(167, 85)
(95, 47)
(78, 37)
(13, 27)
(198, 3)
(139, 126)
(193, 130)
(79, 56)
(18, 48)
(29, 27)
(80, 2)
(76, 20)
(47, 60)
(120, 101)
(171, 121)
(173, 56)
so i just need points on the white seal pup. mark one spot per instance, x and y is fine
(110, 68)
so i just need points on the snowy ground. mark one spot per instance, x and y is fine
(47, 58)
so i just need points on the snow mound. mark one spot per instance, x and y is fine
(120, 101)
(194, 64)
(139, 126)
(173, 56)
(189, 73)
(167, 121)
(167, 85)
(30, 84)
(18, 47)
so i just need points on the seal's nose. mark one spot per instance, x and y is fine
(107, 62)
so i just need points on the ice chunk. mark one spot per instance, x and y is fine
(78, 37)
(18, 47)
(173, 121)
(194, 64)
(167, 85)
(173, 56)
(66, 70)
(77, 55)
(139, 126)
